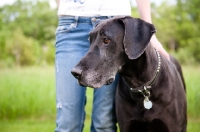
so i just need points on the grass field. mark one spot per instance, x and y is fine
(27, 100)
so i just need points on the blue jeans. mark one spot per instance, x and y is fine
(72, 43)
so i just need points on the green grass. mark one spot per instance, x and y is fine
(27, 125)
(27, 100)
(26, 92)
(192, 79)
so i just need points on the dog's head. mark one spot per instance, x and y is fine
(113, 41)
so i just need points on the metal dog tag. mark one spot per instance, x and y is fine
(147, 103)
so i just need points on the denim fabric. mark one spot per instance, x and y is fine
(71, 45)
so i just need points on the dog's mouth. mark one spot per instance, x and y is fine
(78, 81)
(108, 82)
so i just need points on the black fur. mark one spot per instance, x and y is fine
(121, 46)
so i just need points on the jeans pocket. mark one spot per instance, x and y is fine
(65, 28)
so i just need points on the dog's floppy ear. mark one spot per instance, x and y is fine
(137, 36)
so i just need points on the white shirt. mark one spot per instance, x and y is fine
(94, 7)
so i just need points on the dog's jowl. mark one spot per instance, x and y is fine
(151, 95)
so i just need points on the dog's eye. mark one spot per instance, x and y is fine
(106, 41)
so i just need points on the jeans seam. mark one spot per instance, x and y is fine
(83, 113)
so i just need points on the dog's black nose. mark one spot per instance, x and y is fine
(76, 72)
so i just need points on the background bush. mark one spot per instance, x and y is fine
(27, 31)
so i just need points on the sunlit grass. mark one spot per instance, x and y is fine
(27, 100)
(27, 92)
(192, 79)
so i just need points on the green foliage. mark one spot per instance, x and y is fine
(189, 29)
(164, 21)
(36, 19)
(27, 33)
(178, 28)
(19, 48)
(184, 56)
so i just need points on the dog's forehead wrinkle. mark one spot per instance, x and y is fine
(93, 33)
(106, 28)
(99, 26)
(106, 33)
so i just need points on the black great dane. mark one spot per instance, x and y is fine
(151, 95)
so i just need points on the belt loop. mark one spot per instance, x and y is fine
(109, 17)
(76, 21)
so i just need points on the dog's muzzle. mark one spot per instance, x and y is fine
(76, 72)
(108, 82)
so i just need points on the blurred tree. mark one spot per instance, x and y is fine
(23, 50)
(27, 30)
(178, 28)
(22, 25)
(189, 27)
(164, 19)
(35, 18)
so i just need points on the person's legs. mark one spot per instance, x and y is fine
(70, 99)
(71, 44)
(103, 115)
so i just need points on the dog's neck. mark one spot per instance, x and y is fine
(143, 70)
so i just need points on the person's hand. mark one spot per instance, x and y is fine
(154, 41)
